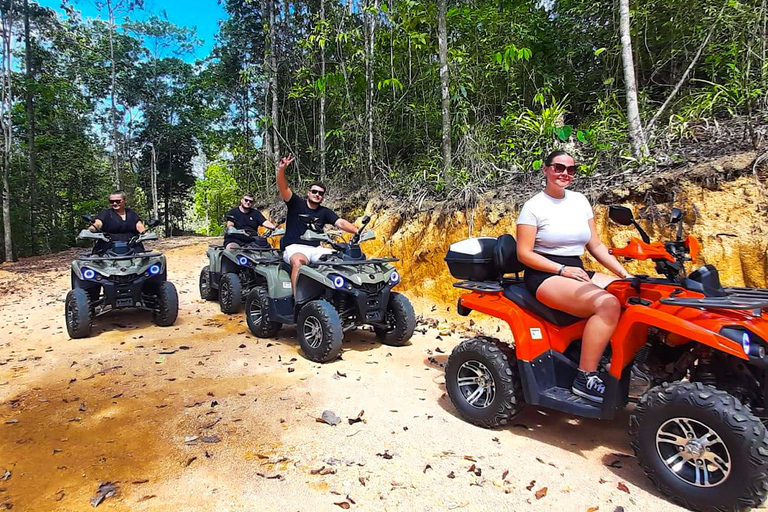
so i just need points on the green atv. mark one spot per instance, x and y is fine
(338, 293)
(229, 275)
(117, 275)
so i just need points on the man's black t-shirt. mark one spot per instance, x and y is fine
(249, 221)
(121, 230)
(294, 227)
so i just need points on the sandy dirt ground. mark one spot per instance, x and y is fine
(203, 416)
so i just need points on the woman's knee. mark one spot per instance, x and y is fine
(608, 307)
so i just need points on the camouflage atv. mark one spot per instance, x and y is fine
(339, 293)
(229, 275)
(117, 275)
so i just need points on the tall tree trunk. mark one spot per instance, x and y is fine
(155, 206)
(636, 135)
(115, 158)
(322, 90)
(7, 120)
(369, 79)
(273, 85)
(30, 131)
(446, 106)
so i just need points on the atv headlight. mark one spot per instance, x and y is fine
(242, 260)
(751, 344)
(394, 277)
(338, 282)
(154, 269)
(88, 273)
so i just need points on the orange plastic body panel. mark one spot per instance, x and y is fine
(534, 336)
(693, 246)
(639, 250)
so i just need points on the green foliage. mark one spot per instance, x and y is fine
(215, 194)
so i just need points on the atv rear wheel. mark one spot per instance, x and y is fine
(483, 381)
(230, 293)
(320, 331)
(401, 321)
(78, 314)
(206, 291)
(257, 314)
(701, 447)
(167, 306)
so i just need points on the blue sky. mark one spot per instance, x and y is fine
(203, 14)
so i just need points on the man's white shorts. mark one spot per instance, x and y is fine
(312, 253)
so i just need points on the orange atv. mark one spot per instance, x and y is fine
(689, 351)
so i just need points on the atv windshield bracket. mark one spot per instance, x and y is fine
(479, 286)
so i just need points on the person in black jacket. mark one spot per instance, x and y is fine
(244, 217)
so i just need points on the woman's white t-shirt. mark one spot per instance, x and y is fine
(562, 225)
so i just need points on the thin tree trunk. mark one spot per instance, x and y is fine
(115, 161)
(273, 85)
(322, 90)
(155, 206)
(369, 80)
(446, 103)
(636, 135)
(30, 132)
(7, 102)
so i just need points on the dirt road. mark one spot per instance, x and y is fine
(204, 416)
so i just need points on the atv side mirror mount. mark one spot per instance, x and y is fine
(623, 215)
(677, 218)
(88, 218)
(153, 223)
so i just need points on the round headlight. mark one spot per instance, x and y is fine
(89, 273)
(242, 260)
(745, 342)
(338, 282)
(154, 269)
(394, 276)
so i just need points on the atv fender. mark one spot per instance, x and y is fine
(633, 328)
(311, 285)
(278, 280)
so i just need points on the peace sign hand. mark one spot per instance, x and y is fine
(285, 162)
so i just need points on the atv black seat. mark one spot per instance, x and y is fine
(520, 295)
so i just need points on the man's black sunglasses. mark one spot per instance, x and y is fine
(249, 200)
(318, 191)
(115, 201)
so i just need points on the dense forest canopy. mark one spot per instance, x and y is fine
(412, 97)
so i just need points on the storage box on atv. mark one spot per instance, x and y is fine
(472, 259)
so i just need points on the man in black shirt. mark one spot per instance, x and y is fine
(298, 252)
(244, 217)
(119, 221)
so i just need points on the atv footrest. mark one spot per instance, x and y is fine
(479, 286)
(564, 400)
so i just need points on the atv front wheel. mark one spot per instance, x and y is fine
(401, 321)
(167, 306)
(483, 381)
(206, 291)
(78, 314)
(257, 314)
(230, 293)
(320, 331)
(701, 447)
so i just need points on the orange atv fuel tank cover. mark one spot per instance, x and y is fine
(693, 247)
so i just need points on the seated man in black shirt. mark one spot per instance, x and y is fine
(298, 252)
(119, 221)
(244, 217)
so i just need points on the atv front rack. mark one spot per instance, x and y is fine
(756, 304)
(91, 257)
(352, 263)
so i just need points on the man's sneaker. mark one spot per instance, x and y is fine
(588, 385)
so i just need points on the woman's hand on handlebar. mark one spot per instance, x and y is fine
(575, 273)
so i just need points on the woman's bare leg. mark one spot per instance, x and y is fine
(585, 300)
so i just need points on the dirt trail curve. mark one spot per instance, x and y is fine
(204, 416)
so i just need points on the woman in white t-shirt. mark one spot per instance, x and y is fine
(553, 229)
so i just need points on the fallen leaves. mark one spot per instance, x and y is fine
(147, 497)
(541, 493)
(386, 455)
(106, 490)
(358, 419)
(623, 487)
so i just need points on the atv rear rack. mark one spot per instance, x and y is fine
(374, 261)
(479, 286)
(744, 292)
(92, 257)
